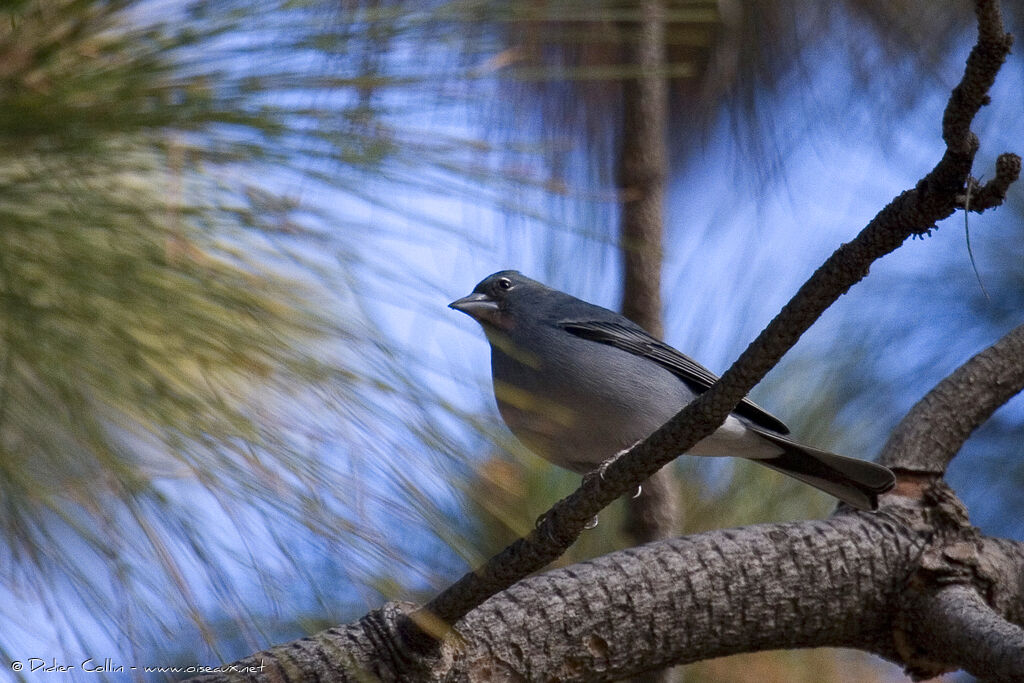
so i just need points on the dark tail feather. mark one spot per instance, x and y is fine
(853, 481)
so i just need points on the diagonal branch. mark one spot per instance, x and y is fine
(928, 438)
(914, 212)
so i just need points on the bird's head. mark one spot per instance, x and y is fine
(500, 300)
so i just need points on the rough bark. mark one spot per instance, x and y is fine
(709, 595)
(836, 582)
(960, 627)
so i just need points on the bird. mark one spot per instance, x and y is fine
(577, 384)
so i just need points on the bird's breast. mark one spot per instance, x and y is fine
(580, 407)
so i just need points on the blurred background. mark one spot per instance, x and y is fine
(234, 408)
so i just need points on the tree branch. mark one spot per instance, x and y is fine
(993, 193)
(953, 628)
(914, 212)
(1001, 566)
(929, 436)
(855, 580)
(800, 584)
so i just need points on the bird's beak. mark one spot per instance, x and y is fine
(478, 306)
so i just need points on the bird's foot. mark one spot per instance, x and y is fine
(592, 523)
(598, 471)
(603, 467)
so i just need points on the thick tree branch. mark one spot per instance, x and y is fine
(1000, 565)
(953, 628)
(914, 212)
(801, 584)
(856, 580)
(928, 438)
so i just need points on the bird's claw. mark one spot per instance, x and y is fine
(598, 471)
(592, 523)
(540, 522)
(603, 467)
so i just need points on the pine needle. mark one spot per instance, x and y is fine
(971, 184)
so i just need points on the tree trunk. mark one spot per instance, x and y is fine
(643, 169)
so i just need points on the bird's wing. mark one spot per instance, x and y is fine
(635, 340)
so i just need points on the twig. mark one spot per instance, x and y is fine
(929, 436)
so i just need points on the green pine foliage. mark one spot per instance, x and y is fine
(180, 344)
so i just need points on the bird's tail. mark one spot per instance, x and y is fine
(853, 481)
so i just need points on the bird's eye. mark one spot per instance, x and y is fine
(504, 283)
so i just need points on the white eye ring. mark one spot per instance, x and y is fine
(504, 283)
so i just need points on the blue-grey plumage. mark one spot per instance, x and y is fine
(577, 383)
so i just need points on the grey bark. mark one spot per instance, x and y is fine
(838, 582)
(954, 623)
